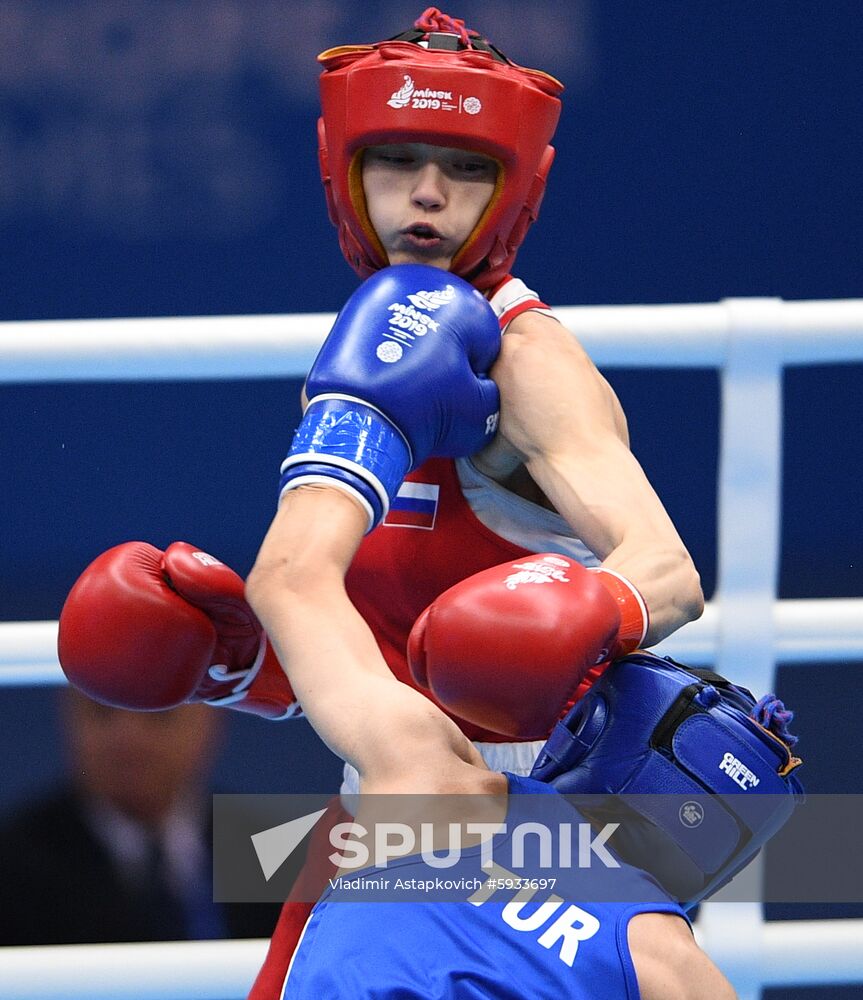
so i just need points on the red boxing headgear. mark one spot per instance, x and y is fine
(443, 85)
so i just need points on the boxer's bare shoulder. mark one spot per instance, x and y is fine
(669, 964)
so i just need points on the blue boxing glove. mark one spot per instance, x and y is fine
(401, 376)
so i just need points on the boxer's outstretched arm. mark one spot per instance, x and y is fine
(565, 423)
(393, 735)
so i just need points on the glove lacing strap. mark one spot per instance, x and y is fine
(220, 673)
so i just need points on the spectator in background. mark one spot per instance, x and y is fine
(122, 850)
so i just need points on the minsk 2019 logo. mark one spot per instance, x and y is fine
(426, 99)
(409, 320)
(401, 98)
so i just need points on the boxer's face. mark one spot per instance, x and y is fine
(424, 201)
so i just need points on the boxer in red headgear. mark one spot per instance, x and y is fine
(442, 85)
(434, 149)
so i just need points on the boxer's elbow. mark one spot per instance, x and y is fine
(671, 588)
(685, 596)
(264, 584)
(292, 579)
(690, 598)
(274, 575)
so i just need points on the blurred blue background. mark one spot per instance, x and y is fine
(158, 157)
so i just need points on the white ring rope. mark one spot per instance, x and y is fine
(171, 970)
(744, 631)
(789, 953)
(806, 631)
(194, 347)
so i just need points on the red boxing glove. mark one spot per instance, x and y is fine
(146, 629)
(507, 648)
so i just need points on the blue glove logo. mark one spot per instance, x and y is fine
(432, 300)
(389, 352)
(409, 320)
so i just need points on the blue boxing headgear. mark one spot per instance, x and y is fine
(653, 734)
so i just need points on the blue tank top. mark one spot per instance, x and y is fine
(482, 943)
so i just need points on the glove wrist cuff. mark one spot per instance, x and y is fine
(634, 616)
(511, 298)
(347, 443)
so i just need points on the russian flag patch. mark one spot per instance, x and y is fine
(414, 506)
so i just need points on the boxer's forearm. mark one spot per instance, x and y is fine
(605, 494)
(296, 588)
(328, 652)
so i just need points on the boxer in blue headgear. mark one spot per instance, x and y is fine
(502, 937)
(705, 771)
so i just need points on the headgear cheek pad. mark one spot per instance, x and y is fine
(443, 85)
(699, 771)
